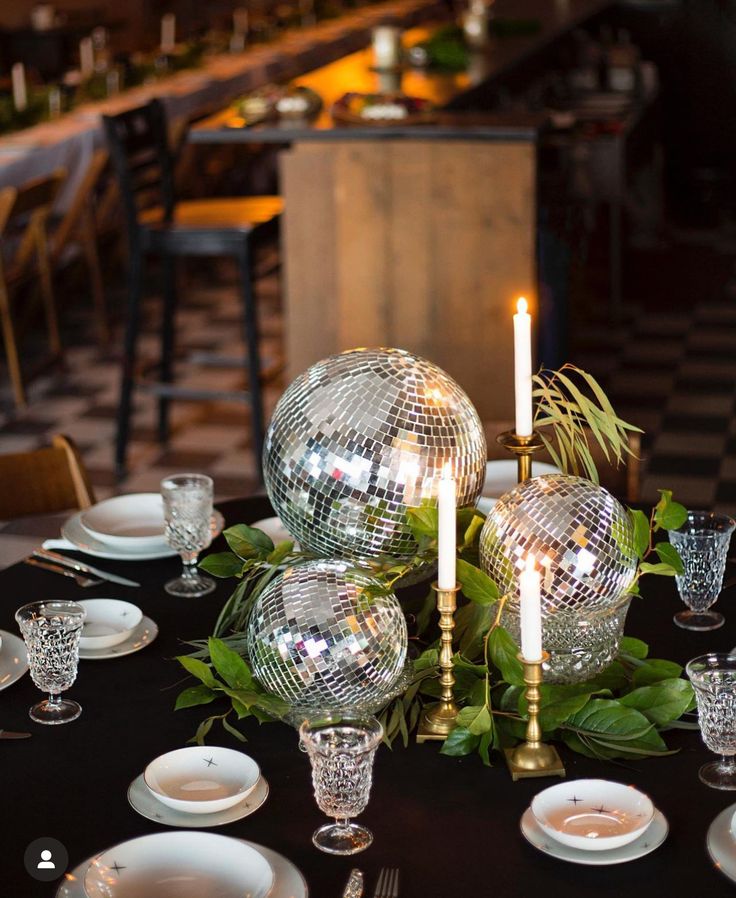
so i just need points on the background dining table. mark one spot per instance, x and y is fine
(450, 824)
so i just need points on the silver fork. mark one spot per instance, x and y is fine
(388, 883)
(65, 572)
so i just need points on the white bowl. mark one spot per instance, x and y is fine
(134, 522)
(202, 780)
(180, 865)
(109, 622)
(593, 815)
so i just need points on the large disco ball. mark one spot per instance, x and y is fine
(320, 640)
(359, 438)
(583, 542)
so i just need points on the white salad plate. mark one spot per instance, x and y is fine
(501, 477)
(180, 865)
(654, 836)
(143, 635)
(73, 532)
(288, 880)
(274, 528)
(592, 814)
(199, 780)
(145, 803)
(13, 659)
(109, 622)
(133, 523)
(721, 842)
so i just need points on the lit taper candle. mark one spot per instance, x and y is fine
(523, 368)
(20, 93)
(86, 57)
(531, 612)
(168, 33)
(447, 530)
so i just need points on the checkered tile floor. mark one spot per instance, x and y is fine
(671, 370)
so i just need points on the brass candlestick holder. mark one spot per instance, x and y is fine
(439, 719)
(534, 757)
(523, 448)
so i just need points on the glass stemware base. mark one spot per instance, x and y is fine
(719, 774)
(190, 584)
(54, 710)
(699, 620)
(342, 837)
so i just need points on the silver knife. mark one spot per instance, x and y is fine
(354, 885)
(7, 734)
(83, 568)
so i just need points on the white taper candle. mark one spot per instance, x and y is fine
(168, 33)
(531, 611)
(446, 536)
(20, 93)
(523, 368)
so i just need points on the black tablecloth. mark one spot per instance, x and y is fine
(451, 825)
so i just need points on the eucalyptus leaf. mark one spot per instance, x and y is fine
(232, 730)
(202, 731)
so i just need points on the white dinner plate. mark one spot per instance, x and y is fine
(179, 864)
(721, 843)
(649, 841)
(501, 477)
(73, 531)
(288, 880)
(142, 800)
(13, 659)
(143, 635)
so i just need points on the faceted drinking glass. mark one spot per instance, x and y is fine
(702, 542)
(51, 632)
(341, 751)
(714, 679)
(188, 513)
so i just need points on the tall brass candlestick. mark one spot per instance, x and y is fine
(523, 448)
(534, 757)
(439, 719)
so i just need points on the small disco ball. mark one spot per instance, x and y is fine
(359, 438)
(583, 542)
(319, 640)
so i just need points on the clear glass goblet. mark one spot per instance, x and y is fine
(714, 679)
(51, 632)
(188, 514)
(341, 751)
(702, 542)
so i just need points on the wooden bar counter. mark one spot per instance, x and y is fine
(418, 236)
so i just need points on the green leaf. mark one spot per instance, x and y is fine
(475, 718)
(198, 669)
(202, 731)
(553, 715)
(616, 731)
(634, 647)
(503, 652)
(282, 550)
(661, 703)
(486, 740)
(664, 570)
(476, 584)
(423, 521)
(222, 564)
(472, 622)
(669, 515)
(229, 665)
(248, 542)
(641, 531)
(195, 695)
(668, 554)
(654, 671)
(460, 742)
(232, 730)
(614, 677)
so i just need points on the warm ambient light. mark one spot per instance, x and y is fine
(447, 470)
(522, 306)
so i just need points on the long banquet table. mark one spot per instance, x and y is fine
(451, 825)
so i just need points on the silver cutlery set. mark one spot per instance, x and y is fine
(387, 885)
(84, 574)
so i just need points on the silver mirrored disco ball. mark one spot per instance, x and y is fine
(583, 543)
(319, 641)
(360, 437)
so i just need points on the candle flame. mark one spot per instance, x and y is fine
(522, 306)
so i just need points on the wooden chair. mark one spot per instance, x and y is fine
(44, 481)
(623, 482)
(76, 234)
(158, 225)
(24, 252)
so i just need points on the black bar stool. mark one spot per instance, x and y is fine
(159, 225)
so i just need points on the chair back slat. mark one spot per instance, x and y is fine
(44, 481)
(138, 144)
(24, 214)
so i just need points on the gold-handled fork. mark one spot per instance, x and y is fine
(388, 883)
(65, 572)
